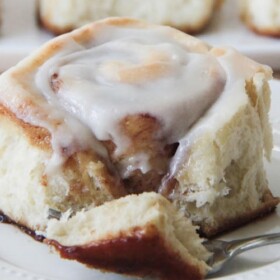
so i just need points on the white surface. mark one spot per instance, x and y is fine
(21, 35)
(22, 258)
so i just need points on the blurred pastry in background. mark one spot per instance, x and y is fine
(190, 16)
(262, 16)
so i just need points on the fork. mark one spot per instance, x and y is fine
(224, 251)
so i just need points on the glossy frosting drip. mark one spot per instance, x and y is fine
(126, 71)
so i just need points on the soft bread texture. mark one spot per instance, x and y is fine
(188, 15)
(261, 16)
(225, 185)
(140, 235)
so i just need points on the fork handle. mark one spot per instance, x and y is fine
(241, 245)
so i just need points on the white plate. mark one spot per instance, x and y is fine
(21, 34)
(21, 258)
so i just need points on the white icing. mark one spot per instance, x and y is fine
(238, 69)
(128, 71)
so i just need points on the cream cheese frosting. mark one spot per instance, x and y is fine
(139, 72)
(91, 85)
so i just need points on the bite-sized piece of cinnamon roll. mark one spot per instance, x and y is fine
(121, 107)
(261, 16)
(140, 235)
(187, 15)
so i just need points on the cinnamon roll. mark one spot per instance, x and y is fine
(122, 107)
(65, 15)
(263, 17)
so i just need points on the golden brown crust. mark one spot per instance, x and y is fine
(138, 252)
(38, 136)
(269, 205)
